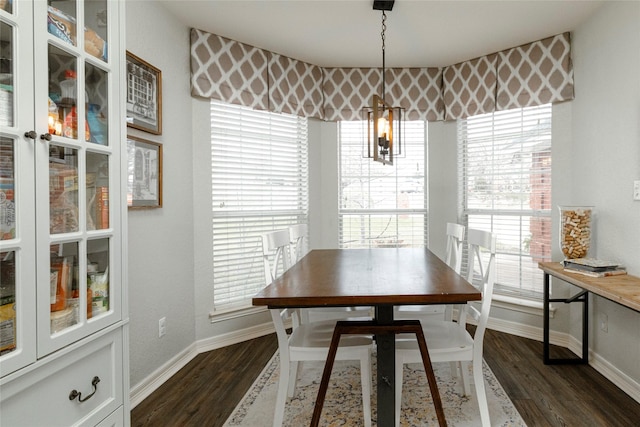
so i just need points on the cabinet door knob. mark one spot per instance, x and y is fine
(32, 134)
(46, 136)
(75, 393)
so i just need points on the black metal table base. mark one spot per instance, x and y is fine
(583, 297)
(385, 336)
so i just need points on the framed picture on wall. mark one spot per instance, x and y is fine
(144, 95)
(144, 173)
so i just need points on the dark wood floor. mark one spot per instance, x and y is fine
(205, 391)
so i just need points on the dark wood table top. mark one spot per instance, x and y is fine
(367, 277)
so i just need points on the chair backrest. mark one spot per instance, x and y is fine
(297, 234)
(481, 242)
(275, 245)
(455, 238)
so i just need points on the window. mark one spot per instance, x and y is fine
(381, 205)
(259, 183)
(504, 161)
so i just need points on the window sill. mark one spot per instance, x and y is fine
(234, 313)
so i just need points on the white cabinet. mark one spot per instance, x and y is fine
(91, 370)
(63, 311)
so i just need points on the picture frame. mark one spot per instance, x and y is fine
(144, 184)
(144, 95)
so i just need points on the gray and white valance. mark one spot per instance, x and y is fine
(230, 71)
(531, 74)
(348, 90)
(470, 88)
(418, 91)
(536, 73)
(295, 87)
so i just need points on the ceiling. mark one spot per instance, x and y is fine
(420, 33)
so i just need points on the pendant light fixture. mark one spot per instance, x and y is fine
(384, 139)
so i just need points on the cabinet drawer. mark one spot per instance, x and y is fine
(42, 396)
(116, 419)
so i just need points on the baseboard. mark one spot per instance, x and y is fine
(143, 389)
(604, 367)
(235, 337)
(610, 372)
(527, 331)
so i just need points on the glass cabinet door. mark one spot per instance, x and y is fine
(61, 124)
(17, 218)
(78, 122)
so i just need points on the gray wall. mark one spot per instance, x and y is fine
(605, 161)
(596, 158)
(161, 273)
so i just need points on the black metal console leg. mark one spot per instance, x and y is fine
(582, 297)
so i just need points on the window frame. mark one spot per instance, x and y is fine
(351, 137)
(258, 159)
(540, 180)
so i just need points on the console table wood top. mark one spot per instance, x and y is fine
(623, 289)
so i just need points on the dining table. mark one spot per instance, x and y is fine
(382, 278)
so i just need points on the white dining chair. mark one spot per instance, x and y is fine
(275, 253)
(453, 258)
(297, 238)
(310, 341)
(449, 341)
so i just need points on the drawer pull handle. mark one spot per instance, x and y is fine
(76, 393)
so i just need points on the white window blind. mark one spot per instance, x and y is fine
(382, 205)
(505, 187)
(259, 183)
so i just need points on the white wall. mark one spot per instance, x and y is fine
(161, 269)
(596, 157)
(606, 160)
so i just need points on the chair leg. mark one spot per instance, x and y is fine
(453, 366)
(281, 399)
(465, 379)
(481, 394)
(365, 379)
(399, 380)
(293, 378)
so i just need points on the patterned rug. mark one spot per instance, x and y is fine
(343, 404)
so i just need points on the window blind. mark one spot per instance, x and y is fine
(381, 205)
(504, 165)
(259, 183)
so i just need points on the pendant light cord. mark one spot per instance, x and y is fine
(384, 28)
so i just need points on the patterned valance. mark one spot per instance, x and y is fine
(295, 87)
(470, 88)
(227, 70)
(347, 91)
(532, 74)
(536, 73)
(418, 91)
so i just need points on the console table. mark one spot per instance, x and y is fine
(623, 289)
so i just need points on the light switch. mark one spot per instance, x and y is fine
(636, 190)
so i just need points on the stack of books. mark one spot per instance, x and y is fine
(593, 267)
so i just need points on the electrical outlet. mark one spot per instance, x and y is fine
(604, 322)
(636, 190)
(162, 327)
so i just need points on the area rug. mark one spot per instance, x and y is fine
(343, 404)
